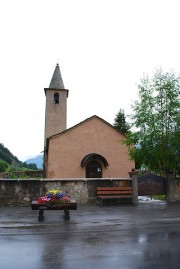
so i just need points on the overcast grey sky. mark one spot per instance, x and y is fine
(103, 48)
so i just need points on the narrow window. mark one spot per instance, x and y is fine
(56, 98)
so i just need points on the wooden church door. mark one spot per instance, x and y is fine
(93, 169)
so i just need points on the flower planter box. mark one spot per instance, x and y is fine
(66, 206)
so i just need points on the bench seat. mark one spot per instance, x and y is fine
(113, 196)
(123, 192)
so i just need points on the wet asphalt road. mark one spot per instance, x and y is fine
(113, 236)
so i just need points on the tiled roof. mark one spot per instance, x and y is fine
(56, 81)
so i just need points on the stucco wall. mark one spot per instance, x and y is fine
(67, 150)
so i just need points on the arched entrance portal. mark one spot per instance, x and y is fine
(94, 163)
(93, 170)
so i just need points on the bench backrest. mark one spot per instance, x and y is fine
(114, 190)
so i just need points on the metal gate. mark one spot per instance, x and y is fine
(151, 184)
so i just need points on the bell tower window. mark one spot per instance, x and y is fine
(56, 98)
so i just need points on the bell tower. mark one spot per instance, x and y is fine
(56, 105)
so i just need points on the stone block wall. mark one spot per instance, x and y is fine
(23, 191)
(20, 192)
(177, 190)
(172, 188)
(22, 174)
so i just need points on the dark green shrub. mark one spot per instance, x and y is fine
(3, 166)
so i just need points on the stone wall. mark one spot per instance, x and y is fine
(173, 194)
(172, 188)
(22, 174)
(23, 191)
(177, 189)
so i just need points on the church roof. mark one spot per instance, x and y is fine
(56, 81)
(82, 122)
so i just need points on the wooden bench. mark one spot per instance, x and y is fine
(111, 193)
(72, 205)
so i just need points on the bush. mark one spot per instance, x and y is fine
(3, 166)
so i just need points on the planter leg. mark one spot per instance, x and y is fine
(66, 214)
(41, 215)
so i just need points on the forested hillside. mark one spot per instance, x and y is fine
(7, 156)
(10, 162)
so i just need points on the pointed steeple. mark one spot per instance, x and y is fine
(56, 105)
(56, 81)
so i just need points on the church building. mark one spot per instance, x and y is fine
(92, 148)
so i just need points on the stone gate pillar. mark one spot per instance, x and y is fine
(170, 187)
(134, 176)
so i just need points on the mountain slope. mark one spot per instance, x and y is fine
(38, 160)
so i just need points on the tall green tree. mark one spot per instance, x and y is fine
(120, 122)
(156, 118)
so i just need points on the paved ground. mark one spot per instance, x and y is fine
(114, 236)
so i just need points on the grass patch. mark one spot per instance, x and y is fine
(159, 197)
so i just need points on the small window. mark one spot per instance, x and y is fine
(56, 98)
